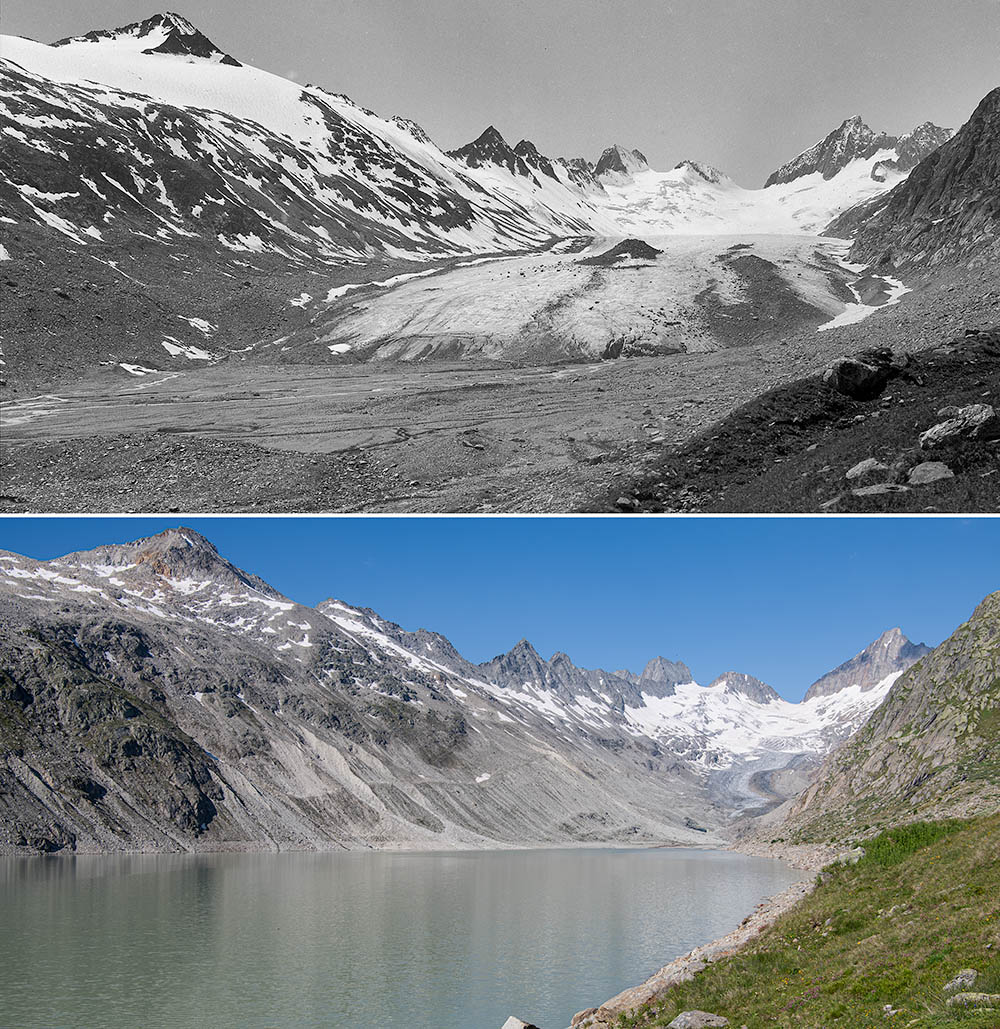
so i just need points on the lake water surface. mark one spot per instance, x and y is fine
(425, 941)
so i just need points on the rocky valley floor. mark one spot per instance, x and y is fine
(459, 435)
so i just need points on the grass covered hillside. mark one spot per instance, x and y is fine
(894, 929)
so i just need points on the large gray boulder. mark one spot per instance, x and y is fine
(697, 1020)
(977, 421)
(929, 471)
(517, 1023)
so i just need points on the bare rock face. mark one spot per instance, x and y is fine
(747, 686)
(176, 35)
(891, 652)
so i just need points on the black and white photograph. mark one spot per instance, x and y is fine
(499, 514)
(501, 256)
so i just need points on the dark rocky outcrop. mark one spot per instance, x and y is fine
(747, 686)
(618, 160)
(627, 250)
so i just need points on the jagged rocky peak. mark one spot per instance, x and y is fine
(529, 153)
(851, 140)
(173, 554)
(521, 664)
(915, 145)
(581, 172)
(747, 685)
(891, 652)
(706, 171)
(167, 33)
(617, 160)
(661, 676)
(491, 148)
(855, 140)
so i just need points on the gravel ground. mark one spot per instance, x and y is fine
(422, 438)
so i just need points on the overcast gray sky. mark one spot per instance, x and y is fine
(741, 84)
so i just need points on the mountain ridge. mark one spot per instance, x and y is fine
(158, 668)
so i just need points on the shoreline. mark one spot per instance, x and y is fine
(687, 966)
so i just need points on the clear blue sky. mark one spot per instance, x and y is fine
(742, 84)
(783, 599)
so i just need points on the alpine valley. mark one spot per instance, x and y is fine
(284, 301)
(155, 697)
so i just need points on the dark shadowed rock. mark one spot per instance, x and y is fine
(857, 379)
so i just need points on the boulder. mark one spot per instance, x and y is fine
(517, 1023)
(863, 469)
(930, 471)
(966, 978)
(849, 857)
(879, 487)
(697, 1020)
(859, 380)
(987, 1001)
(977, 421)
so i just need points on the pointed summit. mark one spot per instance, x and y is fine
(747, 686)
(174, 554)
(853, 139)
(619, 161)
(490, 148)
(661, 676)
(705, 171)
(529, 153)
(166, 33)
(891, 652)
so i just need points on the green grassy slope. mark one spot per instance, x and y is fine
(893, 929)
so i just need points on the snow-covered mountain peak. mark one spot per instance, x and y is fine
(705, 171)
(747, 686)
(620, 162)
(490, 148)
(165, 33)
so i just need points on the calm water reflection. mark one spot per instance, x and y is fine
(443, 941)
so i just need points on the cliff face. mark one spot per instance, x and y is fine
(930, 750)
(946, 211)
